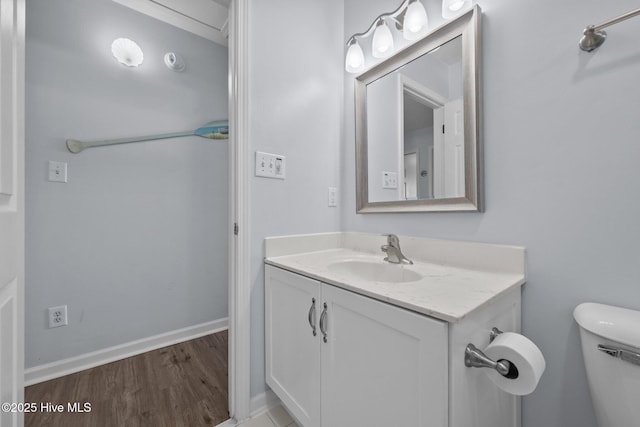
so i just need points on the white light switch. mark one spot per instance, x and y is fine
(333, 197)
(270, 165)
(57, 171)
(389, 180)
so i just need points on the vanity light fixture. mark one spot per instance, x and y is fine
(451, 8)
(382, 44)
(127, 52)
(410, 18)
(415, 21)
(354, 62)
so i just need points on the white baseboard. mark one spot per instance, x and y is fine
(263, 402)
(63, 367)
(228, 423)
(259, 405)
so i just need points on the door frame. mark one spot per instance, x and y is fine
(239, 185)
(239, 231)
(12, 218)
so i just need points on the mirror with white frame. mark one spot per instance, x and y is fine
(418, 127)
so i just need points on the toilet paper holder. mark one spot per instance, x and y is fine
(475, 358)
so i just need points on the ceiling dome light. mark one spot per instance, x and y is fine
(450, 8)
(382, 45)
(127, 52)
(415, 21)
(354, 62)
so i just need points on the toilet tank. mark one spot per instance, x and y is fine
(610, 339)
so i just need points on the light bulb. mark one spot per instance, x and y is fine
(127, 52)
(354, 61)
(382, 45)
(455, 6)
(450, 8)
(415, 21)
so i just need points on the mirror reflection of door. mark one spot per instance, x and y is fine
(453, 149)
(411, 176)
(448, 146)
(433, 126)
(422, 124)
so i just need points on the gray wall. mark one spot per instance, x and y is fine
(296, 109)
(135, 243)
(561, 174)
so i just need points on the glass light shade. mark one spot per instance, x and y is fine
(415, 21)
(127, 52)
(354, 61)
(451, 8)
(382, 45)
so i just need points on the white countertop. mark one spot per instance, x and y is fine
(447, 291)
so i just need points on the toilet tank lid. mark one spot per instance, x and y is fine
(615, 323)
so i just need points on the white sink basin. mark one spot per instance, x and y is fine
(375, 271)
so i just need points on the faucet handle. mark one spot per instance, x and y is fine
(392, 240)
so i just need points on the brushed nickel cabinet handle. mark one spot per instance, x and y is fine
(323, 323)
(312, 316)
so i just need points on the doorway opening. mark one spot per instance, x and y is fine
(135, 242)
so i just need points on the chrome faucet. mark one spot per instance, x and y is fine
(392, 249)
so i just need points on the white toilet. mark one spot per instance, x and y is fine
(611, 348)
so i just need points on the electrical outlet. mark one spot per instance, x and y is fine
(57, 316)
(57, 171)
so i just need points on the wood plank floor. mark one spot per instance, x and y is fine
(182, 385)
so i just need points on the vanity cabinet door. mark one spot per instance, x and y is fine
(382, 365)
(292, 350)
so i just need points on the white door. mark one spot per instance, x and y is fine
(12, 15)
(292, 313)
(411, 176)
(454, 149)
(448, 150)
(382, 365)
(438, 154)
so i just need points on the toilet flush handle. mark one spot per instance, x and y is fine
(620, 353)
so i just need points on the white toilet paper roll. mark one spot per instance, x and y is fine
(524, 354)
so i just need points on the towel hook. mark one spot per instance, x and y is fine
(594, 35)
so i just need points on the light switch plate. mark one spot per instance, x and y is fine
(389, 180)
(332, 195)
(270, 165)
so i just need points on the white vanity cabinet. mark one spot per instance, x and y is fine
(371, 363)
(292, 350)
(396, 334)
